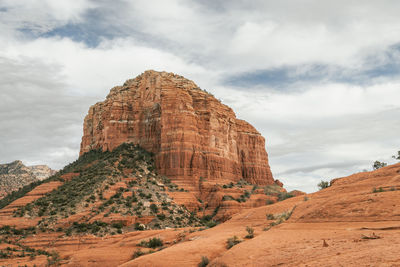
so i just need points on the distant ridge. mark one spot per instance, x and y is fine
(15, 175)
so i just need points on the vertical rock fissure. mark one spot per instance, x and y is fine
(191, 133)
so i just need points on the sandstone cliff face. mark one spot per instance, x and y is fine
(15, 175)
(190, 132)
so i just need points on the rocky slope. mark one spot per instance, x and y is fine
(193, 135)
(15, 175)
(354, 222)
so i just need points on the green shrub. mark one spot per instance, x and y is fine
(54, 259)
(117, 225)
(250, 232)
(232, 241)
(272, 190)
(211, 223)
(151, 243)
(323, 184)
(138, 253)
(269, 202)
(161, 216)
(377, 165)
(379, 190)
(139, 227)
(284, 195)
(270, 216)
(154, 208)
(204, 261)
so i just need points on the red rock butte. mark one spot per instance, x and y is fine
(191, 133)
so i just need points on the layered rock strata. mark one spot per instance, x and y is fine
(192, 134)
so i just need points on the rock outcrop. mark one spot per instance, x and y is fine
(15, 175)
(41, 171)
(191, 133)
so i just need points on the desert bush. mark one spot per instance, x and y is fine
(377, 165)
(323, 184)
(232, 241)
(269, 202)
(227, 197)
(250, 232)
(54, 259)
(154, 208)
(138, 253)
(284, 195)
(161, 216)
(270, 216)
(211, 223)
(151, 243)
(379, 190)
(117, 225)
(272, 190)
(204, 261)
(139, 227)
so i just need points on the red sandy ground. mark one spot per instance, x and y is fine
(341, 215)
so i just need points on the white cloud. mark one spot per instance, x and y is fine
(91, 71)
(42, 15)
(321, 129)
(327, 131)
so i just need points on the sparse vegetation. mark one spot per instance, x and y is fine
(54, 259)
(204, 261)
(227, 198)
(279, 218)
(323, 184)
(269, 202)
(24, 190)
(270, 216)
(232, 241)
(377, 165)
(97, 173)
(250, 232)
(284, 195)
(93, 228)
(138, 253)
(381, 189)
(151, 243)
(271, 190)
(154, 208)
(375, 190)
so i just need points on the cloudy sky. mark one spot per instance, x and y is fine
(319, 79)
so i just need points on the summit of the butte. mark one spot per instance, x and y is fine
(193, 135)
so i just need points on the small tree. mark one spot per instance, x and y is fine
(323, 184)
(397, 156)
(378, 165)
